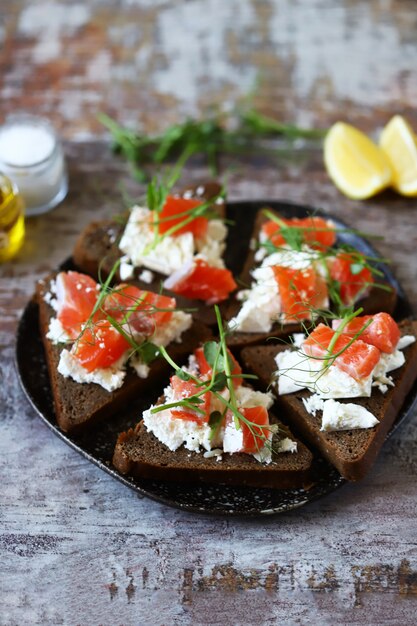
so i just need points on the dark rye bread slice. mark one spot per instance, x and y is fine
(352, 452)
(139, 453)
(97, 250)
(77, 405)
(376, 301)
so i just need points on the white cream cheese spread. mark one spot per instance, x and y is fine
(146, 276)
(298, 371)
(56, 332)
(340, 416)
(126, 269)
(175, 432)
(171, 252)
(262, 306)
(112, 378)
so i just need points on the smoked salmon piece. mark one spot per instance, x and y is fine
(315, 231)
(300, 291)
(99, 346)
(255, 434)
(186, 389)
(141, 310)
(137, 311)
(177, 210)
(353, 279)
(358, 359)
(201, 281)
(76, 297)
(383, 332)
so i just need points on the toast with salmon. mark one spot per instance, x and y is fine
(78, 405)
(318, 232)
(224, 434)
(98, 248)
(351, 451)
(139, 453)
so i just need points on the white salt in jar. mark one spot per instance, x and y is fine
(31, 155)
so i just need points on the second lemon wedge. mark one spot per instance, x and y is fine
(400, 145)
(357, 166)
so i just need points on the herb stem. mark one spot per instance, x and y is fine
(227, 365)
(210, 137)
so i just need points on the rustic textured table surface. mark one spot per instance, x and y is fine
(76, 547)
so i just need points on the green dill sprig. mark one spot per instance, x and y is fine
(159, 186)
(210, 137)
(258, 125)
(328, 359)
(158, 189)
(221, 364)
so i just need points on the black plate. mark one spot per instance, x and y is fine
(98, 445)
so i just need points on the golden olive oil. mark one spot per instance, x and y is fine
(12, 221)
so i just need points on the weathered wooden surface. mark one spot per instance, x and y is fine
(78, 548)
(75, 546)
(152, 62)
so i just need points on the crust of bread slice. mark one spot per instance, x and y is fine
(352, 452)
(77, 405)
(139, 453)
(96, 249)
(376, 301)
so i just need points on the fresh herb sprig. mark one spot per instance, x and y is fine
(238, 133)
(159, 186)
(205, 209)
(217, 356)
(329, 357)
(158, 189)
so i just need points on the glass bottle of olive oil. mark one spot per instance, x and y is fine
(12, 221)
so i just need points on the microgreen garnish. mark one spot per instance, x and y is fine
(328, 359)
(214, 421)
(218, 357)
(158, 189)
(292, 235)
(211, 137)
(159, 186)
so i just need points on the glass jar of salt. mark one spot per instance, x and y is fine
(32, 156)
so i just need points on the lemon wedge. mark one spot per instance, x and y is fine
(357, 166)
(400, 146)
